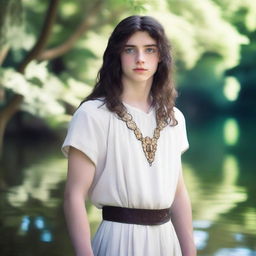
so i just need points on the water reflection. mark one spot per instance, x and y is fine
(201, 239)
(235, 252)
(220, 200)
(28, 223)
(219, 171)
(31, 216)
(38, 182)
(231, 131)
(25, 222)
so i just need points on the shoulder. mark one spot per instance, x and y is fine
(178, 115)
(90, 116)
(93, 108)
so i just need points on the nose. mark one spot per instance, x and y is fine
(140, 57)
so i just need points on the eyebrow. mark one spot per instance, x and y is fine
(147, 45)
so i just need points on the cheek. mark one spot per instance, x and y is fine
(126, 60)
(154, 62)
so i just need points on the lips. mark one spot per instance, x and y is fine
(140, 69)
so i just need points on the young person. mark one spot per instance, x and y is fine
(124, 147)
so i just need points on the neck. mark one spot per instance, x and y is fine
(137, 94)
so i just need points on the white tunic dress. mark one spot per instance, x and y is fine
(124, 178)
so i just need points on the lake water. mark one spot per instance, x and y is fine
(219, 170)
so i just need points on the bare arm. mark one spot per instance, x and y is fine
(182, 219)
(79, 179)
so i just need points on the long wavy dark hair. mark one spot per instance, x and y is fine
(109, 79)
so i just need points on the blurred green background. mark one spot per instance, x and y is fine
(50, 53)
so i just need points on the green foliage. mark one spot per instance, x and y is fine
(241, 13)
(194, 28)
(43, 92)
(197, 29)
(11, 20)
(205, 81)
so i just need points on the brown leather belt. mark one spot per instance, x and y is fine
(136, 216)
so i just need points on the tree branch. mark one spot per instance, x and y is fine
(3, 54)
(86, 24)
(44, 36)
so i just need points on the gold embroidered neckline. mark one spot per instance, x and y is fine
(149, 145)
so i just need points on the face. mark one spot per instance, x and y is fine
(139, 58)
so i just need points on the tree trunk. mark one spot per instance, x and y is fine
(6, 114)
(15, 103)
(3, 54)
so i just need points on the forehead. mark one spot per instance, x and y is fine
(141, 38)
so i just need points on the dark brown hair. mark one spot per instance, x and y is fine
(109, 79)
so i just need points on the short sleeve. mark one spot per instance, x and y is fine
(181, 131)
(85, 134)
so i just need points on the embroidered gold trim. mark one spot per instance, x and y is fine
(149, 145)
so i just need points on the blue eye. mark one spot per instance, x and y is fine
(151, 50)
(129, 50)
